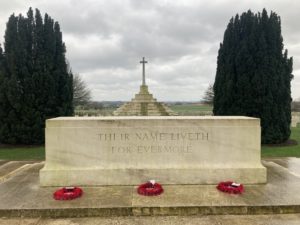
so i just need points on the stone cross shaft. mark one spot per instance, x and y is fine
(144, 79)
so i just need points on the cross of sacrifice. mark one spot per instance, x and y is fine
(144, 62)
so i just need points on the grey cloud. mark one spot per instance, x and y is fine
(106, 39)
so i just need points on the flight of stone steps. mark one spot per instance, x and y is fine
(144, 105)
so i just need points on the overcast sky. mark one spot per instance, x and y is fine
(106, 39)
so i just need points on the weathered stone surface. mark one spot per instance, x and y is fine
(171, 150)
(144, 105)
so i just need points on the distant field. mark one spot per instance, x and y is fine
(192, 109)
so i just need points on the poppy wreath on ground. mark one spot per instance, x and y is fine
(67, 193)
(230, 187)
(150, 189)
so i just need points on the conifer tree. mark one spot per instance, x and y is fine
(34, 84)
(254, 74)
(65, 79)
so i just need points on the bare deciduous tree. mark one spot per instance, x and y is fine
(208, 97)
(81, 94)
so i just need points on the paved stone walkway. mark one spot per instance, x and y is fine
(283, 219)
(21, 195)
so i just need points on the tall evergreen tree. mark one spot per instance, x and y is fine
(33, 82)
(254, 74)
(65, 78)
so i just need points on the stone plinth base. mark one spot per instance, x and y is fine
(97, 177)
(144, 105)
(171, 150)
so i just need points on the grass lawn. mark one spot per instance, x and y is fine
(287, 151)
(23, 153)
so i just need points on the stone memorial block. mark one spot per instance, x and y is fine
(171, 150)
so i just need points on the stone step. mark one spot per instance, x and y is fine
(137, 108)
(77, 212)
(11, 168)
(139, 101)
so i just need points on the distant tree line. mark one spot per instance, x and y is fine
(254, 74)
(35, 82)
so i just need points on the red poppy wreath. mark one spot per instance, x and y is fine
(151, 188)
(230, 187)
(67, 193)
